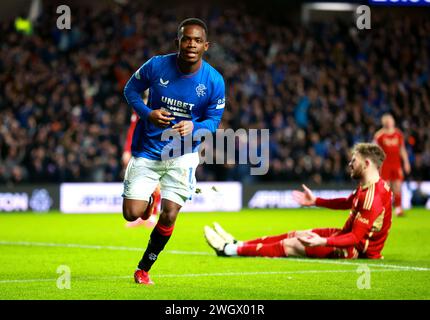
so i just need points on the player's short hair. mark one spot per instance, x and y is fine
(370, 151)
(386, 115)
(192, 22)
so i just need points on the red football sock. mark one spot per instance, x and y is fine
(164, 230)
(271, 239)
(397, 199)
(262, 250)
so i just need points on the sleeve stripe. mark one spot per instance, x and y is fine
(368, 200)
(372, 190)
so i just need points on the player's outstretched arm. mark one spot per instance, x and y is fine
(304, 198)
(307, 198)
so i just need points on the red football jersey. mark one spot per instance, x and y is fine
(391, 143)
(369, 222)
(133, 122)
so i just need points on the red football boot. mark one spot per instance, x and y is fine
(142, 277)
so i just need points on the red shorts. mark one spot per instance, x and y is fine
(391, 173)
(330, 252)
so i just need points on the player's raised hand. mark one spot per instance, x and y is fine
(184, 127)
(160, 118)
(305, 198)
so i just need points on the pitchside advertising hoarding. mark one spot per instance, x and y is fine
(106, 197)
(41, 198)
(213, 197)
(260, 196)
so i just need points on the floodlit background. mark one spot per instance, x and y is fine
(301, 69)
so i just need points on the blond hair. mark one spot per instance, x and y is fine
(370, 151)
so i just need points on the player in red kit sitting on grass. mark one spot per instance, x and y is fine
(363, 235)
(392, 142)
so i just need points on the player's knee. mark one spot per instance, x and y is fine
(287, 244)
(129, 215)
(132, 213)
(168, 216)
(397, 187)
(290, 246)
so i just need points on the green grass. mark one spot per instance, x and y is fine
(28, 271)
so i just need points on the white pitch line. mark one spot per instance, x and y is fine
(256, 273)
(90, 246)
(380, 265)
(26, 280)
(67, 245)
(121, 248)
(193, 275)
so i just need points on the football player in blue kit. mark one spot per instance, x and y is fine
(186, 95)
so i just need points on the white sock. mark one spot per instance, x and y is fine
(230, 249)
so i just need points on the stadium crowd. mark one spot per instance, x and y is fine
(318, 88)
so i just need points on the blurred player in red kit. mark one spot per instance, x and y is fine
(363, 235)
(156, 195)
(391, 140)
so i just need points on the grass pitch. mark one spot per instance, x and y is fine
(102, 254)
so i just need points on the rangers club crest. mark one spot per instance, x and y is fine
(201, 90)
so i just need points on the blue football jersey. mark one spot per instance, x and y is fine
(197, 97)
